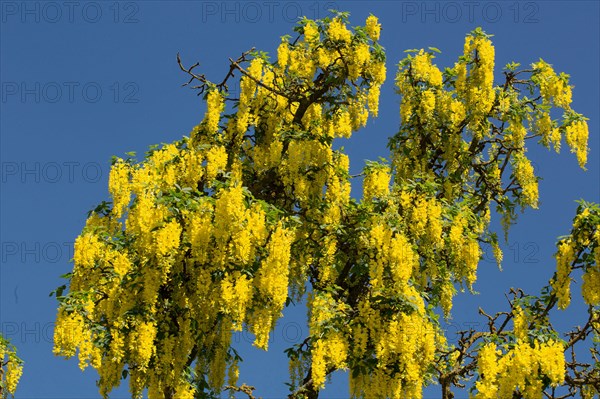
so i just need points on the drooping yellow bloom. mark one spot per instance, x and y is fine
(311, 32)
(185, 391)
(167, 238)
(562, 282)
(552, 361)
(487, 365)
(424, 70)
(477, 87)
(427, 105)
(216, 160)
(236, 293)
(283, 54)
(377, 183)
(88, 248)
(68, 333)
(214, 107)
(523, 171)
(118, 186)
(553, 87)
(373, 100)
(590, 289)
(373, 27)
(11, 368)
(141, 343)
(330, 351)
(577, 139)
(337, 31)
(498, 255)
(520, 323)
(121, 263)
(272, 279)
(522, 368)
(14, 371)
(446, 298)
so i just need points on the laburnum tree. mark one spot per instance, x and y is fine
(220, 231)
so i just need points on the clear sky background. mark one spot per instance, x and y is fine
(82, 81)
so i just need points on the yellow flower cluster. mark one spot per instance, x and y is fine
(311, 32)
(330, 347)
(376, 183)
(553, 87)
(248, 86)
(12, 376)
(272, 278)
(237, 294)
(424, 70)
(523, 171)
(447, 293)
(427, 105)
(516, 132)
(337, 31)
(577, 138)
(425, 217)
(373, 100)
(562, 281)
(520, 323)
(477, 86)
(402, 342)
(373, 27)
(329, 351)
(167, 238)
(70, 334)
(88, 248)
(392, 254)
(590, 288)
(465, 249)
(550, 133)
(360, 57)
(522, 368)
(214, 108)
(304, 158)
(283, 54)
(223, 233)
(498, 255)
(9, 377)
(118, 186)
(141, 344)
(584, 241)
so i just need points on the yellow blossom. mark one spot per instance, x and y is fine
(577, 139)
(562, 282)
(118, 186)
(376, 183)
(373, 27)
(337, 31)
(214, 107)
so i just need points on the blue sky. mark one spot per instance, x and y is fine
(82, 81)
